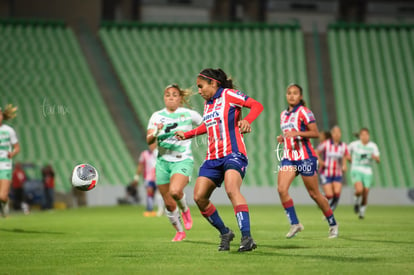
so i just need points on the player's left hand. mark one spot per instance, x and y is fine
(244, 126)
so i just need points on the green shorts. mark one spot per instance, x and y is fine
(366, 179)
(5, 174)
(165, 169)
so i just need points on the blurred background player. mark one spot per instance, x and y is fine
(323, 135)
(9, 147)
(48, 178)
(226, 156)
(332, 156)
(146, 168)
(363, 153)
(175, 162)
(298, 125)
(18, 180)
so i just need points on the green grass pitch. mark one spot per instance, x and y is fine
(119, 240)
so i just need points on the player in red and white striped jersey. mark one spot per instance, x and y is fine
(331, 157)
(226, 158)
(298, 126)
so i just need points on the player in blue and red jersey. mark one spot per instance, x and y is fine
(332, 155)
(298, 125)
(226, 155)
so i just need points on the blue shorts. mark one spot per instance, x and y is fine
(307, 167)
(329, 180)
(149, 183)
(214, 169)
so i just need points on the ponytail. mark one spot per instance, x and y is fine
(184, 93)
(9, 112)
(217, 75)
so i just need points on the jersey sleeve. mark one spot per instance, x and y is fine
(346, 150)
(152, 122)
(196, 117)
(141, 158)
(306, 115)
(236, 97)
(321, 147)
(376, 151)
(13, 136)
(351, 147)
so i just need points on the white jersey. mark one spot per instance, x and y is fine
(362, 156)
(8, 138)
(169, 147)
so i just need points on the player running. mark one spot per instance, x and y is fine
(226, 155)
(9, 147)
(175, 160)
(331, 154)
(298, 125)
(363, 153)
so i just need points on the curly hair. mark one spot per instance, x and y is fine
(9, 112)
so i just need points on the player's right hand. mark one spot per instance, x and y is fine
(280, 139)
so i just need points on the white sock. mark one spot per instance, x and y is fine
(182, 203)
(175, 219)
(362, 210)
(357, 200)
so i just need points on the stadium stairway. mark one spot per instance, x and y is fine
(262, 59)
(373, 68)
(62, 118)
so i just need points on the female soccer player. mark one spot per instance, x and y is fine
(363, 152)
(146, 168)
(9, 147)
(299, 125)
(175, 162)
(226, 155)
(331, 154)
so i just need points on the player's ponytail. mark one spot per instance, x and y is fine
(301, 102)
(217, 75)
(184, 93)
(9, 112)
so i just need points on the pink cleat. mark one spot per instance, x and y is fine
(179, 237)
(188, 221)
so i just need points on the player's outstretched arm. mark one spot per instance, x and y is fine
(200, 130)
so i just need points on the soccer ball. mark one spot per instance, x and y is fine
(84, 177)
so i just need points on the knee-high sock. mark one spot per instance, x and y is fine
(175, 220)
(214, 219)
(182, 203)
(243, 219)
(290, 211)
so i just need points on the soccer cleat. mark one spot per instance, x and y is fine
(247, 244)
(333, 232)
(179, 237)
(361, 217)
(150, 214)
(188, 221)
(294, 229)
(356, 208)
(225, 241)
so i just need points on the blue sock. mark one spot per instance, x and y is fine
(330, 218)
(214, 219)
(243, 219)
(290, 212)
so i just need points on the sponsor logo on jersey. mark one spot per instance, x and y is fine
(211, 115)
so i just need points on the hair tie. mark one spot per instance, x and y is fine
(210, 78)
